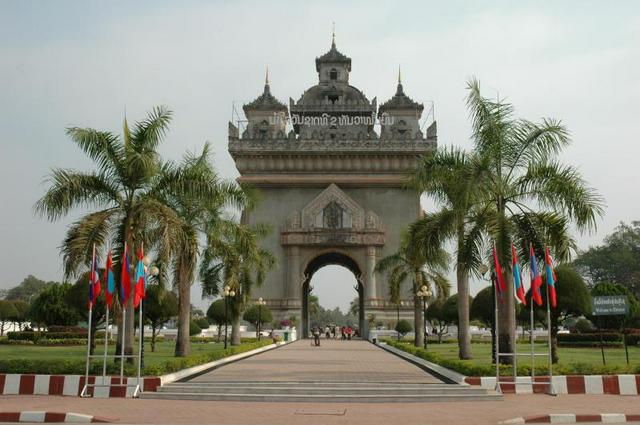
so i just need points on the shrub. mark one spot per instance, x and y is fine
(194, 329)
(610, 339)
(582, 325)
(403, 327)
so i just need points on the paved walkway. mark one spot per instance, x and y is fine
(333, 361)
(160, 412)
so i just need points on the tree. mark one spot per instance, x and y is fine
(7, 313)
(617, 260)
(216, 315)
(421, 268)
(616, 322)
(126, 194)
(403, 327)
(77, 298)
(160, 306)
(524, 194)
(28, 289)
(50, 307)
(436, 316)
(447, 178)
(22, 311)
(234, 255)
(198, 216)
(257, 316)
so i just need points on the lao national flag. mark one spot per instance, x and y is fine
(517, 276)
(94, 280)
(140, 279)
(109, 280)
(125, 278)
(551, 277)
(501, 286)
(536, 279)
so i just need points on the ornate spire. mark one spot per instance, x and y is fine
(266, 101)
(333, 37)
(400, 100)
(399, 76)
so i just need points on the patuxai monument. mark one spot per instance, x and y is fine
(332, 189)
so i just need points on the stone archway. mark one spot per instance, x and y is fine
(331, 257)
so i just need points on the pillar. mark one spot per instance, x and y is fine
(294, 275)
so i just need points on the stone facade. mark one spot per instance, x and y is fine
(332, 189)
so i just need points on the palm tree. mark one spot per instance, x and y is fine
(523, 194)
(445, 176)
(197, 216)
(234, 258)
(122, 192)
(412, 264)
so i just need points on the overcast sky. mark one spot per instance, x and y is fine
(81, 63)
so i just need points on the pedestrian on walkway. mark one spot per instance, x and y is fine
(316, 336)
(327, 332)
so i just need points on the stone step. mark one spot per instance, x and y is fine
(226, 384)
(324, 398)
(323, 390)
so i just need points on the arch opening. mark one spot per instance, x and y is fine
(317, 263)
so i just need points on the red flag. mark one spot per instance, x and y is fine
(517, 276)
(140, 279)
(125, 277)
(536, 279)
(107, 276)
(551, 277)
(94, 280)
(501, 286)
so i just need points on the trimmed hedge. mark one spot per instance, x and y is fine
(470, 369)
(34, 336)
(76, 367)
(51, 342)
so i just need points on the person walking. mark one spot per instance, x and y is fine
(327, 332)
(316, 336)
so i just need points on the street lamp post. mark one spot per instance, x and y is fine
(228, 292)
(424, 293)
(260, 303)
(153, 271)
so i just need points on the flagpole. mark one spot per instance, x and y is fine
(124, 323)
(495, 318)
(551, 389)
(106, 323)
(140, 333)
(86, 369)
(533, 355)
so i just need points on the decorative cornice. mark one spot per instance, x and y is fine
(372, 146)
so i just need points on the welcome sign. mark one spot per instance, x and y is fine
(610, 305)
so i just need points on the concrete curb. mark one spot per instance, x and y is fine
(570, 418)
(42, 417)
(207, 367)
(441, 372)
(71, 385)
(564, 384)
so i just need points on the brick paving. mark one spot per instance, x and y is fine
(134, 411)
(333, 361)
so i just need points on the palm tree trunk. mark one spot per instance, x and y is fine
(235, 329)
(183, 341)
(464, 337)
(507, 319)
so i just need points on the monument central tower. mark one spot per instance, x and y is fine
(332, 188)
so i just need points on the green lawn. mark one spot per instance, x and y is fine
(70, 359)
(164, 351)
(573, 361)
(482, 354)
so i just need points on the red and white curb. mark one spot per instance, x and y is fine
(570, 418)
(71, 385)
(570, 384)
(41, 417)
